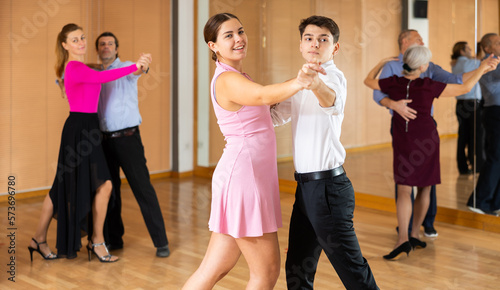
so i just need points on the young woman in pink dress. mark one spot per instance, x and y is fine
(245, 213)
(82, 187)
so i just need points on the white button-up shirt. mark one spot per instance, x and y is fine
(315, 130)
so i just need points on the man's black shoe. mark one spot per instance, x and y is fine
(430, 232)
(163, 252)
(112, 247)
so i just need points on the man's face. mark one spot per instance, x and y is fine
(494, 47)
(106, 48)
(317, 44)
(412, 39)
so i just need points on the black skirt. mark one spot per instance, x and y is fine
(81, 169)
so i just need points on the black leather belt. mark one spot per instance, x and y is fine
(318, 175)
(469, 101)
(120, 133)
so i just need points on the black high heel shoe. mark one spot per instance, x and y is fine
(103, 259)
(396, 253)
(49, 256)
(416, 243)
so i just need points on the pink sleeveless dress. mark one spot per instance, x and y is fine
(245, 191)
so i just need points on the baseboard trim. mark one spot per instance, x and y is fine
(43, 192)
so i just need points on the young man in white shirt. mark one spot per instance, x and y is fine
(324, 199)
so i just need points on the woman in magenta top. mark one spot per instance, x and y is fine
(416, 142)
(82, 186)
(245, 212)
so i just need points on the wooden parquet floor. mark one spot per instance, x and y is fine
(460, 258)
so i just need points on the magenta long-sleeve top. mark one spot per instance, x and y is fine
(83, 84)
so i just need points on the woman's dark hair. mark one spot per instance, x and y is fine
(107, 33)
(457, 48)
(212, 28)
(61, 53)
(323, 22)
(479, 51)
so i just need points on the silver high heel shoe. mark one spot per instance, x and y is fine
(103, 259)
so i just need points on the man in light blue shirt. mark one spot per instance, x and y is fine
(487, 197)
(119, 121)
(406, 39)
(468, 111)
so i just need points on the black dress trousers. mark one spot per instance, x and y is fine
(322, 221)
(127, 152)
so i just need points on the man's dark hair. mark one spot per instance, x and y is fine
(486, 41)
(323, 22)
(107, 33)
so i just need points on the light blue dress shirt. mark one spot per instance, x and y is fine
(463, 65)
(434, 72)
(118, 104)
(490, 87)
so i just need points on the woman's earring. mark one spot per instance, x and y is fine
(218, 55)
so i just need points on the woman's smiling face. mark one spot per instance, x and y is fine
(231, 41)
